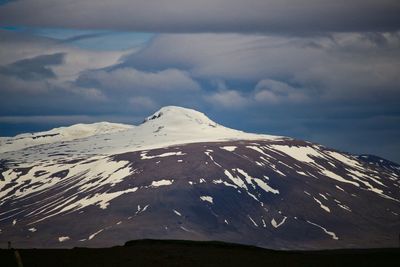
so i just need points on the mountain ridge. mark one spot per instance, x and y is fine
(177, 126)
(60, 134)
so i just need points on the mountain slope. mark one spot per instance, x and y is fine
(180, 175)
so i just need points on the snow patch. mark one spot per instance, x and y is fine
(259, 150)
(177, 213)
(186, 230)
(237, 181)
(208, 153)
(167, 154)
(322, 195)
(251, 219)
(275, 224)
(332, 234)
(95, 234)
(299, 153)
(344, 159)
(337, 177)
(163, 182)
(207, 199)
(219, 181)
(139, 210)
(63, 238)
(344, 207)
(229, 148)
(263, 185)
(264, 223)
(338, 187)
(322, 205)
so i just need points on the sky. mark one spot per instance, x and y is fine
(317, 70)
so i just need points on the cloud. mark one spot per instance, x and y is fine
(66, 119)
(266, 91)
(35, 68)
(131, 80)
(14, 85)
(142, 102)
(33, 49)
(274, 92)
(38, 76)
(337, 66)
(268, 16)
(229, 99)
(42, 76)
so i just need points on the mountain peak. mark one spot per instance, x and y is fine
(179, 115)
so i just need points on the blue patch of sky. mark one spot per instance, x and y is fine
(89, 39)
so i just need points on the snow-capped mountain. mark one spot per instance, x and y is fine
(179, 175)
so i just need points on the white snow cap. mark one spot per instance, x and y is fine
(168, 126)
(173, 115)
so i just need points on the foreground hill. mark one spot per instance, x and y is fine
(190, 253)
(180, 175)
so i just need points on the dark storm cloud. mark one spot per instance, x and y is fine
(35, 68)
(272, 16)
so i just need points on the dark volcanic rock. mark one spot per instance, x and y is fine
(247, 192)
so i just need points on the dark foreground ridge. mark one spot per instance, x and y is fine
(149, 252)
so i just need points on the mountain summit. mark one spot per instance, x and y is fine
(179, 175)
(173, 115)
